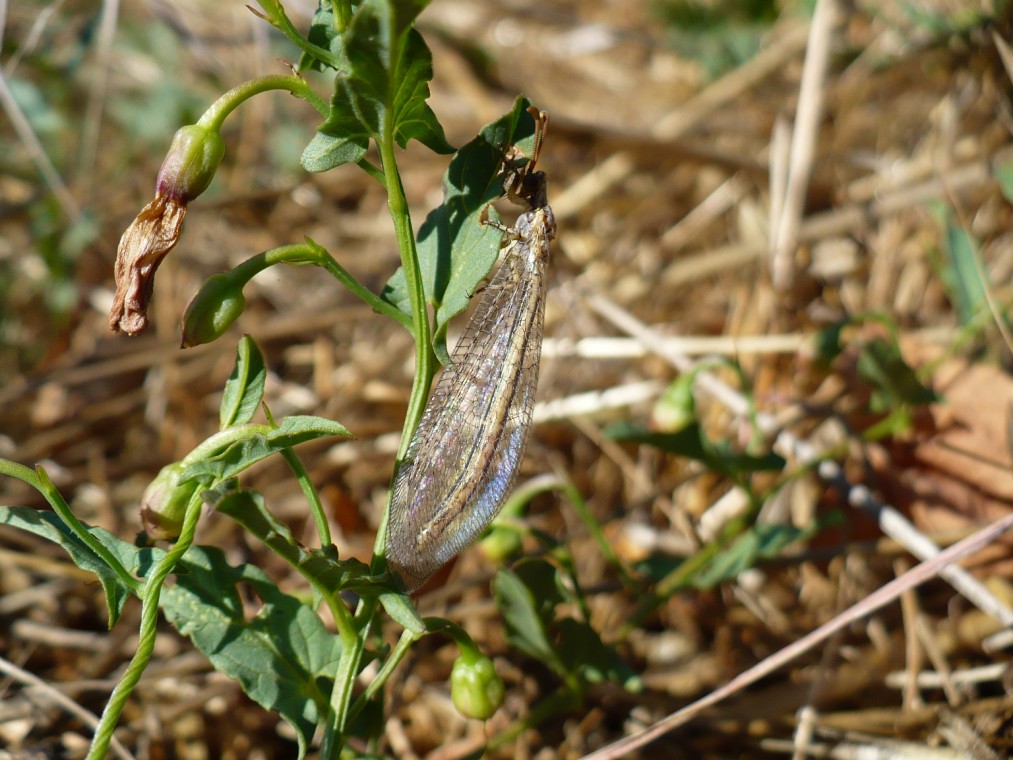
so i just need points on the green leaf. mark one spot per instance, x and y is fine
(245, 387)
(321, 567)
(401, 611)
(323, 33)
(283, 658)
(525, 627)
(50, 526)
(413, 118)
(893, 380)
(583, 652)
(383, 93)
(455, 250)
(528, 597)
(963, 272)
(259, 445)
(760, 541)
(718, 35)
(828, 342)
(692, 442)
(1003, 174)
(326, 151)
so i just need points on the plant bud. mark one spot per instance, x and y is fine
(475, 687)
(188, 169)
(191, 162)
(213, 309)
(501, 543)
(163, 505)
(676, 407)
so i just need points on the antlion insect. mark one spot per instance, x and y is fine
(464, 456)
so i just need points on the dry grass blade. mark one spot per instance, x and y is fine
(785, 227)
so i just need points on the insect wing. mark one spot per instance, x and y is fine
(465, 454)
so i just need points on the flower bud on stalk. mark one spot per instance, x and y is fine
(676, 407)
(188, 169)
(214, 308)
(163, 505)
(475, 687)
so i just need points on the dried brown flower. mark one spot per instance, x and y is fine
(188, 169)
(142, 247)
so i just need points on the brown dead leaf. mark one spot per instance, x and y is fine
(962, 477)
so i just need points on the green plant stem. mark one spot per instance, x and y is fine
(328, 262)
(149, 621)
(341, 695)
(401, 649)
(39, 480)
(277, 539)
(342, 14)
(460, 636)
(274, 14)
(316, 506)
(344, 680)
(425, 368)
(299, 254)
(214, 117)
(425, 358)
(594, 528)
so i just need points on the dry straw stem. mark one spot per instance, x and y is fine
(928, 679)
(880, 598)
(785, 227)
(594, 402)
(859, 745)
(722, 199)
(689, 345)
(844, 220)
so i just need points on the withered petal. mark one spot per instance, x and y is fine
(142, 247)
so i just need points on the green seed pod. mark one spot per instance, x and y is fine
(501, 543)
(163, 505)
(213, 309)
(676, 407)
(475, 687)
